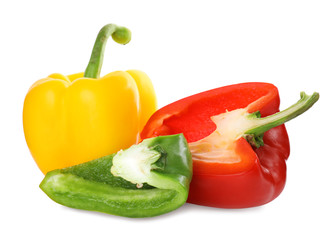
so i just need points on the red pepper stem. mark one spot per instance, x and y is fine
(261, 125)
(119, 34)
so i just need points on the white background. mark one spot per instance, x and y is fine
(185, 47)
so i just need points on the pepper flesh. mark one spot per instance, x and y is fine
(72, 119)
(91, 186)
(245, 176)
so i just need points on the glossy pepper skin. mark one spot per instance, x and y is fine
(258, 174)
(92, 186)
(72, 119)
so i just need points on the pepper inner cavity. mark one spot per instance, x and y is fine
(219, 146)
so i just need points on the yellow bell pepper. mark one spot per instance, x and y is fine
(72, 119)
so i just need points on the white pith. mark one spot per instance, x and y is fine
(219, 146)
(134, 164)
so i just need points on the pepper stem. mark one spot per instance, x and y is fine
(119, 34)
(261, 125)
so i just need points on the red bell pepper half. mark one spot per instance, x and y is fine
(239, 157)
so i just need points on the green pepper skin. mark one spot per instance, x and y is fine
(91, 186)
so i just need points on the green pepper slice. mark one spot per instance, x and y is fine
(148, 179)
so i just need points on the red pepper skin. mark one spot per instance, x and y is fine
(259, 177)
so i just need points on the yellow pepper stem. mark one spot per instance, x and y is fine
(119, 34)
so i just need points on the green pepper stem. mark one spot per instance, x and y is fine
(261, 125)
(119, 34)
